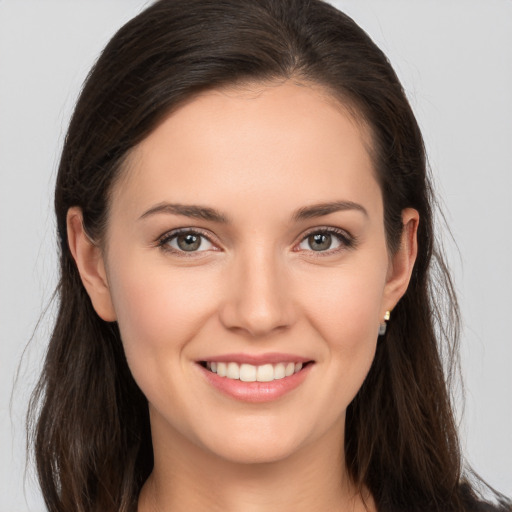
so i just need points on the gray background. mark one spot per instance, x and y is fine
(455, 61)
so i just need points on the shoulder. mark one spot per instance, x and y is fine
(488, 507)
(472, 503)
(482, 506)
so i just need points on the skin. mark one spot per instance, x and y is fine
(258, 155)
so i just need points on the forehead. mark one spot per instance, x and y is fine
(288, 142)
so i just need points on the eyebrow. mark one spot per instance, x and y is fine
(319, 210)
(193, 211)
(213, 215)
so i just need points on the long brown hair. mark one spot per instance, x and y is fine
(90, 420)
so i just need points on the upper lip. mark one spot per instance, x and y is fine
(257, 359)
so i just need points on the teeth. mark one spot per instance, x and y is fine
(221, 369)
(279, 371)
(233, 371)
(247, 372)
(251, 373)
(265, 373)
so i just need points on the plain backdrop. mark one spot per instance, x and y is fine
(455, 61)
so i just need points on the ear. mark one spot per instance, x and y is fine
(89, 261)
(402, 262)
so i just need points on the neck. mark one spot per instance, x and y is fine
(188, 477)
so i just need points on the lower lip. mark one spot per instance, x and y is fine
(256, 391)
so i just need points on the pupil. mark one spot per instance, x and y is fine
(320, 241)
(189, 242)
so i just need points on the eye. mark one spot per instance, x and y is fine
(183, 241)
(326, 240)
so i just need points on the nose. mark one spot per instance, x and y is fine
(258, 298)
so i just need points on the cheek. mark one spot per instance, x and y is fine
(344, 307)
(159, 310)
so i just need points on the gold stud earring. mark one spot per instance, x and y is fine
(383, 325)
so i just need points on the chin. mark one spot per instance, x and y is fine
(261, 444)
(254, 452)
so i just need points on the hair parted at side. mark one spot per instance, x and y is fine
(90, 421)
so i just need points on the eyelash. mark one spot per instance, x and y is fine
(346, 240)
(164, 240)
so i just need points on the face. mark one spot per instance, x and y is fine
(247, 267)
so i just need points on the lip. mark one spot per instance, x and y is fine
(257, 359)
(256, 392)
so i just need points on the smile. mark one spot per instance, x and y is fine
(256, 378)
(252, 373)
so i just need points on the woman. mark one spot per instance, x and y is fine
(247, 265)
